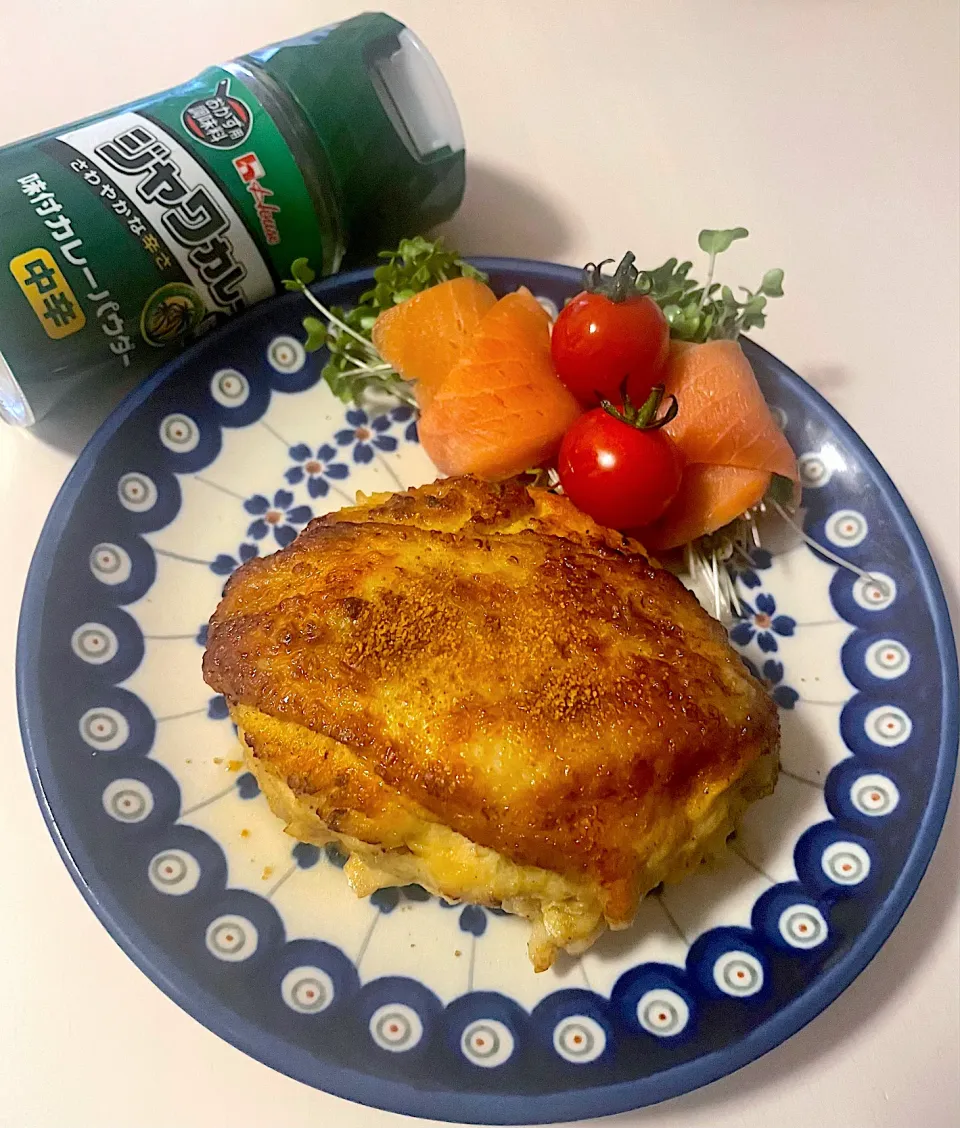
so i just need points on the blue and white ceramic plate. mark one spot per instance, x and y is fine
(399, 1000)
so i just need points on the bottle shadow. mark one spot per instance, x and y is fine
(501, 215)
(826, 378)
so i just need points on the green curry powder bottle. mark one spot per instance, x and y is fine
(126, 236)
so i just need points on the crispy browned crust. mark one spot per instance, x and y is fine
(501, 662)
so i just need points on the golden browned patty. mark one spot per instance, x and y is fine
(473, 686)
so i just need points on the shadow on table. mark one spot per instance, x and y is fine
(827, 378)
(501, 215)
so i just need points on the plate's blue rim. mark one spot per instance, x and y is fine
(481, 1108)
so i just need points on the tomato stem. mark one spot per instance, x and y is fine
(617, 286)
(643, 418)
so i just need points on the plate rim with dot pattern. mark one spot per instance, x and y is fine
(855, 480)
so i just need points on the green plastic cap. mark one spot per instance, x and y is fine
(386, 122)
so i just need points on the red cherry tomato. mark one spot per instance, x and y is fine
(616, 472)
(598, 343)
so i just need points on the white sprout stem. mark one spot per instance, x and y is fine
(404, 397)
(717, 574)
(342, 326)
(716, 582)
(732, 594)
(367, 369)
(379, 373)
(819, 547)
(744, 554)
(397, 391)
(402, 394)
(706, 289)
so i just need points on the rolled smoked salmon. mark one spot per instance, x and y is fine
(421, 338)
(501, 409)
(709, 498)
(723, 418)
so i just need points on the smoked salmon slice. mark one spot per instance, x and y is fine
(421, 338)
(723, 418)
(709, 498)
(501, 409)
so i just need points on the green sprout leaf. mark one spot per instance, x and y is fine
(711, 311)
(303, 274)
(302, 271)
(716, 242)
(316, 333)
(772, 284)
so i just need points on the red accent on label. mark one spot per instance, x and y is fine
(251, 172)
(249, 167)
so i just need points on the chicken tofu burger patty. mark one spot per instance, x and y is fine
(474, 687)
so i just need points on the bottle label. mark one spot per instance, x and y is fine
(187, 223)
(136, 232)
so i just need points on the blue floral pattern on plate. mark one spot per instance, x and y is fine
(746, 571)
(405, 414)
(772, 675)
(318, 466)
(280, 516)
(364, 436)
(763, 621)
(224, 563)
(393, 1000)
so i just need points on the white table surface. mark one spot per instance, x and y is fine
(831, 131)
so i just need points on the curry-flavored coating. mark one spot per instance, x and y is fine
(496, 667)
